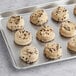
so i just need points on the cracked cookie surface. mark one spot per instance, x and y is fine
(23, 37)
(68, 29)
(29, 54)
(15, 23)
(60, 14)
(45, 34)
(38, 17)
(52, 51)
(72, 44)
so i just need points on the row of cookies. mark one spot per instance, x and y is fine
(59, 14)
(40, 17)
(29, 54)
(67, 27)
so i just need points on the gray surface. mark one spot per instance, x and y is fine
(6, 69)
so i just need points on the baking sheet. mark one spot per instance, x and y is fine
(14, 49)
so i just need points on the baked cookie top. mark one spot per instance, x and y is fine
(53, 47)
(45, 33)
(53, 50)
(72, 41)
(15, 23)
(68, 26)
(22, 34)
(39, 17)
(60, 14)
(45, 30)
(15, 19)
(23, 37)
(29, 54)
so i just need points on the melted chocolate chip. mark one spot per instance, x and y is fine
(52, 49)
(13, 17)
(10, 22)
(26, 58)
(30, 52)
(64, 10)
(69, 22)
(22, 56)
(67, 28)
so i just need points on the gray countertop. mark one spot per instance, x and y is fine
(67, 68)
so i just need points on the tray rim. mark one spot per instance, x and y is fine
(8, 47)
(35, 6)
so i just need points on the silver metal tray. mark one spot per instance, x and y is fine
(25, 12)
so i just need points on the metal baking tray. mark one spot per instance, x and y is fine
(25, 12)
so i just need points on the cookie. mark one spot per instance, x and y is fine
(52, 51)
(74, 11)
(72, 44)
(39, 17)
(29, 54)
(15, 23)
(60, 14)
(23, 37)
(45, 34)
(68, 29)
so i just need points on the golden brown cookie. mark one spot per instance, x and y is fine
(52, 51)
(72, 44)
(68, 29)
(45, 34)
(29, 54)
(39, 17)
(23, 37)
(60, 14)
(15, 23)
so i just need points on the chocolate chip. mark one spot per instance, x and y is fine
(23, 31)
(16, 22)
(58, 19)
(64, 10)
(75, 27)
(58, 8)
(57, 47)
(13, 17)
(26, 31)
(40, 14)
(26, 58)
(18, 19)
(10, 22)
(23, 37)
(19, 36)
(22, 56)
(30, 52)
(56, 12)
(52, 49)
(24, 34)
(64, 17)
(69, 22)
(67, 28)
